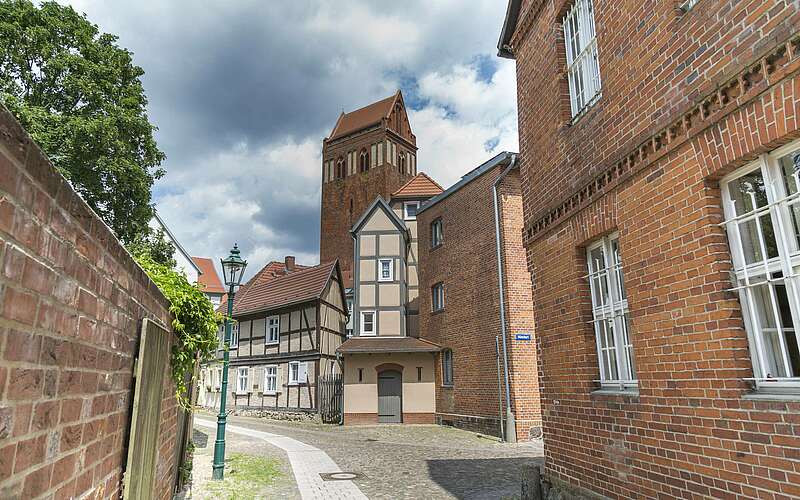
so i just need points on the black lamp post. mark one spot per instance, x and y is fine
(232, 269)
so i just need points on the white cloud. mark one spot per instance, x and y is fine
(244, 92)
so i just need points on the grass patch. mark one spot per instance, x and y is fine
(245, 477)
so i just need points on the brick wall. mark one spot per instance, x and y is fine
(467, 265)
(72, 302)
(357, 190)
(686, 99)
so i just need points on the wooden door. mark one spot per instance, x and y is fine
(390, 397)
(152, 365)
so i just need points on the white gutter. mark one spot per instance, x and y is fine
(511, 430)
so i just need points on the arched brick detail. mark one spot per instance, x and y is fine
(389, 366)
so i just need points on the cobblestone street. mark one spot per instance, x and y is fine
(394, 461)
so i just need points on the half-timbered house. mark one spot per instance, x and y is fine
(285, 336)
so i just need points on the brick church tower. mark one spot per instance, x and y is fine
(371, 151)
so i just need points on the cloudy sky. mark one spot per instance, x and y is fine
(244, 92)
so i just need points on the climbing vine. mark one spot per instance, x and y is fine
(194, 321)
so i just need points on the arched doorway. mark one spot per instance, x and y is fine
(390, 397)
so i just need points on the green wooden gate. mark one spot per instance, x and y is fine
(150, 372)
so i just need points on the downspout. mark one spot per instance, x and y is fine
(511, 429)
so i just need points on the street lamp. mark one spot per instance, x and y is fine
(232, 271)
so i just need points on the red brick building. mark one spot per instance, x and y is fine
(371, 152)
(458, 261)
(659, 160)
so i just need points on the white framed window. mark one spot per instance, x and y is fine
(583, 67)
(349, 325)
(234, 335)
(367, 322)
(447, 368)
(437, 233)
(610, 315)
(437, 297)
(242, 376)
(410, 210)
(273, 329)
(761, 202)
(297, 372)
(270, 379)
(385, 269)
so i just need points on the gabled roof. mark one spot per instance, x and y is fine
(379, 203)
(209, 279)
(364, 117)
(470, 176)
(174, 240)
(420, 186)
(270, 271)
(293, 288)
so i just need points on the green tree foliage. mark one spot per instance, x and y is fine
(194, 321)
(155, 245)
(80, 97)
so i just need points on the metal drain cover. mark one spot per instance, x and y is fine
(339, 476)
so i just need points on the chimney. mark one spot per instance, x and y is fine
(289, 263)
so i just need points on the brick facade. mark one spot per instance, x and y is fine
(72, 302)
(345, 199)
(466, 263)
(686, 98)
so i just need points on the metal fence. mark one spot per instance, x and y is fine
(331, 389)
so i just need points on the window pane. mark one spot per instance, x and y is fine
(628, 345)
(748, 192)
(609, 351)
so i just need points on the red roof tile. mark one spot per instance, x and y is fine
(363, 117)
(420, 186)
(356, 345)
(278, 291)
(208, 277)
(270, 271)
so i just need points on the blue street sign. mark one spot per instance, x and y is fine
(522, 336)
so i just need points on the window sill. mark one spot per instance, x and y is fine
(585, 109)
(765, 395)
(438, 311)
(440, 245)
(608, 391)
(447, 386)
(272, 342)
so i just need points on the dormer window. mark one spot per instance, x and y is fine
(410, 210)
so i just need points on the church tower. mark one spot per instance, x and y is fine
(371, 151)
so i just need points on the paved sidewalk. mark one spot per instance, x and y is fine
(307, 462)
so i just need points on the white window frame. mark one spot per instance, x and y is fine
(234, 343)
(583, 66)
(269, 329)
(447, 368)
(242, 374)
(302, 373)
(437, 292)
(610, 315)
(765, 272)
(350, 320)
(407, 204)
(268, 377)
(390, 277)
(437, 233)
(362, 330)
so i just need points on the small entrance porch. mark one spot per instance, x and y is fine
(389, 380)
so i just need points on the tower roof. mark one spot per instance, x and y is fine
(420, 186)
(364, 117)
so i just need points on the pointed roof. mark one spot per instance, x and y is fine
(208, 275)
(293, 288)
(379, 203)
(364, 117)
(420, 186)
(270, 271)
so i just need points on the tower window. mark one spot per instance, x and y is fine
(401, 167)
(340, 169)
(363, 161)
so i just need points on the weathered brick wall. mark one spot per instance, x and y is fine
(467, 265)
(336, 216)
(72, 303)
(665, 134)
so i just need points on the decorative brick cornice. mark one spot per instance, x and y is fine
(715, 105)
